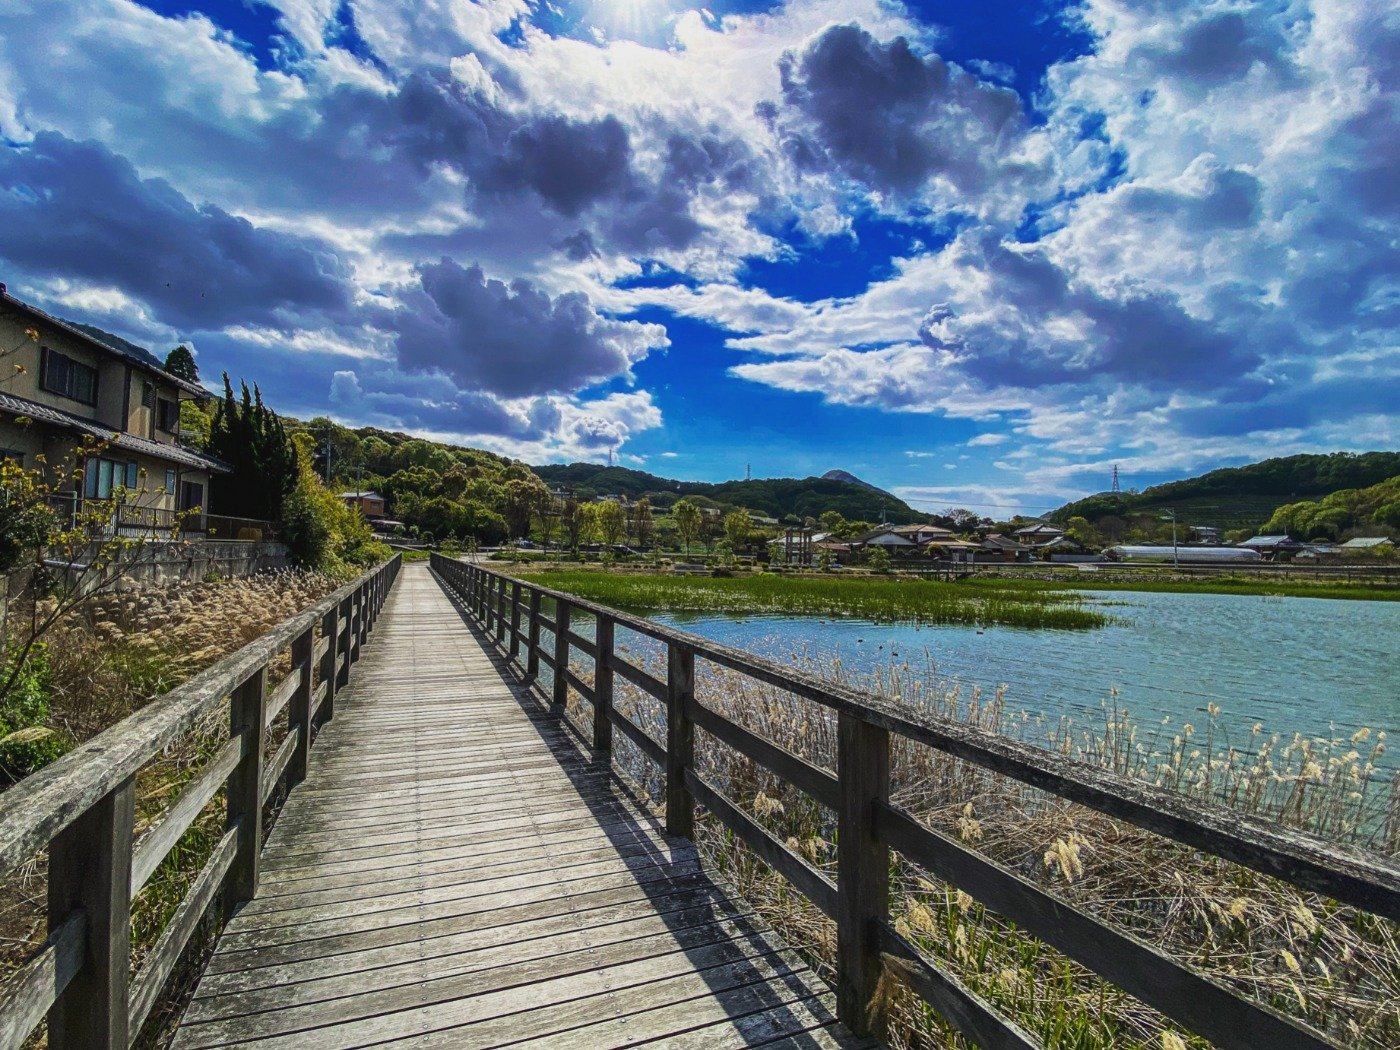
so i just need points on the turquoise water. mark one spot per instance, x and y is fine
(1308, 665)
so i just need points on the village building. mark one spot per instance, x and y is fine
(1041, 534)
(71, 385)
(1273, 548)
(922, 534)
(1365, 545)
(371, 504)
(997, 547)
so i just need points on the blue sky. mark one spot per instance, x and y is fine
(975, 253)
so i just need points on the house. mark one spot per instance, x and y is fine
(1038, 535)
(1273, 548)
(997, 547)
(923, 534)
(65, 385)
(1207, 535)
(371, 504)
(885, 536)
(952, 548)
(1365, 545)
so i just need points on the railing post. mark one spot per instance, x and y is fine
(532, 646)
(680, 740)
(245, 788)
(343, 642)
(90, 868)
(561, 654)
(357, 617)
(330, 630)
(603, 685)
(862, 869)
(501, 609)
(514, 619)
(299, 708)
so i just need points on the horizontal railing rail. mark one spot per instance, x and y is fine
(869, 826)
(81, 809)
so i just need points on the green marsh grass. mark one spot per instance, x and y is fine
(926, 601)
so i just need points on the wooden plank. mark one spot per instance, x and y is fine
(797, 771)
(90, 871)
(560, 663)
(862, 871)
(680, 741)
(602, 685)
(647, 683)
(156, 843)
(160, 961)
(277, 765)
(27, 994)
(960, 1006)
(1203, 1005)
(583, 645)
(245, 788)
(278, 698)
(805, 878)
(633, 732)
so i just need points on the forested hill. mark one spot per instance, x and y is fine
(1242, 497)
(774, 497)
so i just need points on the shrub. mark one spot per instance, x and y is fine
(26, 744)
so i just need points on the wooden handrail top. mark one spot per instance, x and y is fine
(44, 803)
(1353, 876)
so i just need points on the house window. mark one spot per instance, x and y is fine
(170, 483)
(104, 475)
(168, 416)
(61, 375)
(148, 395)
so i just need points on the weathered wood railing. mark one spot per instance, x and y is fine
(81, 810)
(869, 826)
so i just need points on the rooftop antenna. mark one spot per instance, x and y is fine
(1115, 487)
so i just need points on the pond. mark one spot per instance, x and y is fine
(1320, 667)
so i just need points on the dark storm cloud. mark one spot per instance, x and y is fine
(891, 118)
(1229, 199)
(1220, 48)
(513, 340)
(76, 209)
(1146, 338)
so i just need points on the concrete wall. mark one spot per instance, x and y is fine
(161, 564)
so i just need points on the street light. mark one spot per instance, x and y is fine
(1171, 516)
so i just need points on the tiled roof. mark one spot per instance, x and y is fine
(112, 344)
(22, 406)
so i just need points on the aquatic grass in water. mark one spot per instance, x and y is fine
(927, 601)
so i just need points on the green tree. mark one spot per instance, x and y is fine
(879, 560)
(737, 528)
(250, 438)
(686, 515)
(611, 522)
(180, 363)
(523, 497)
(641, 521)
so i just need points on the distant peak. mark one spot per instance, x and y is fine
(847, 477)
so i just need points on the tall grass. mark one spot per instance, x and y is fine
(118, 653)
(926, 601)
(1331, 965)
(1107, 579)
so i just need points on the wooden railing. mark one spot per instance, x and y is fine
(81, 810)
(869, 826)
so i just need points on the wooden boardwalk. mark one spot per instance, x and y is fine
(457, 871)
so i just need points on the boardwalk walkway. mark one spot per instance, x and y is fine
(456, 871)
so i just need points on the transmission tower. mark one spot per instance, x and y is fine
(1115, 487)
(748, 472)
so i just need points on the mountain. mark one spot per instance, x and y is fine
(1242, 497)
(846, 494)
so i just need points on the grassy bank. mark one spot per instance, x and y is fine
(1308, 957)
(874, 598)
(1227, 584)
